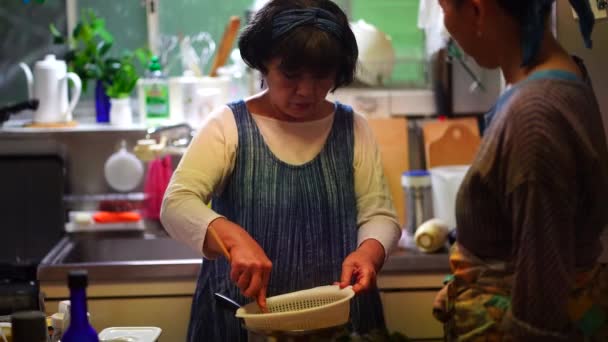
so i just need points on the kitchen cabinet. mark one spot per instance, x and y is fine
(150, 282)
(164, 304)
(407, 300)
(408, 304)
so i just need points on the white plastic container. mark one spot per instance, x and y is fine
(191, 98)
(182, 96)
(446, 181)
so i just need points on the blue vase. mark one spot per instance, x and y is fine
(79, 330)
(102, 103)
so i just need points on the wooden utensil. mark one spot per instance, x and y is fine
(391, 136)
(226, 43)
(451, 142)
(219, 242)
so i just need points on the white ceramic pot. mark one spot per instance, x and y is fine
(49, 84)
(121, 113)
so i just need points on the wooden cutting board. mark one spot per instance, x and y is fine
(391, 135)
(450, 142)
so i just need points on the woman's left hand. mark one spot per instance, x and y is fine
(362, 265)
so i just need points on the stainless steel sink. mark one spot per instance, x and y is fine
(113, 250)
(120, 258)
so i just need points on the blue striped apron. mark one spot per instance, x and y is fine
(303, 216)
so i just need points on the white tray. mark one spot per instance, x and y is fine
(131, 334)
(92, 226)
(72, 227)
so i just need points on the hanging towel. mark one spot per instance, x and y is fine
(157, 180)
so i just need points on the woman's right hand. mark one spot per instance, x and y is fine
(249, 266)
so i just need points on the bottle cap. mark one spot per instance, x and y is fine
(77, 279)
(29, 326)
(416, 178)
(154, 64)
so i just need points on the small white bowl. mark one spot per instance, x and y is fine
(130, 334)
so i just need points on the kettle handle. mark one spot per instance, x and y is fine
(30, 80)
(75, 96)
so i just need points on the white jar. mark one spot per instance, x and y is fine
(120, 112)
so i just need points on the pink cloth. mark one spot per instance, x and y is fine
(157, 180)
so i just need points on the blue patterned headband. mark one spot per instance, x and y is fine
(318, 17)
(533, 26)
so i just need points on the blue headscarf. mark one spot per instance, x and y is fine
(318, 17)
(533, 25)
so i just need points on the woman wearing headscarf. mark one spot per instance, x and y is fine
(532, 207)
(298, 195)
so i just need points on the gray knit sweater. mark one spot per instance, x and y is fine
(536, 195)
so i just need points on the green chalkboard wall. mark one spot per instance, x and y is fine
(395, 17)
(126, 20)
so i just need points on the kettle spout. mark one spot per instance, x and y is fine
(30, 80)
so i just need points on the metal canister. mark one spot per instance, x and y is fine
(418, 199)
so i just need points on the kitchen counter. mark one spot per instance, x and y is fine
(414, 261)
(153, 255)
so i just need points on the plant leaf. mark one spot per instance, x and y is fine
(69, 56)
(103, 47)
(104, 34)
(98, 23)
(57, 36)
(143, 55)
(93, 70)
(58, 40)
(77, 30)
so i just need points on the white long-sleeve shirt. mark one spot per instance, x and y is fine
(210, 159)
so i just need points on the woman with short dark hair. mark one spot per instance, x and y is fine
(295, 181)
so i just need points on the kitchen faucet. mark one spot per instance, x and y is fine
(172, 140)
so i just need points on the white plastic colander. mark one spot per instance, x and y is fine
(317, 308)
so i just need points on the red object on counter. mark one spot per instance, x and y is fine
(116, 217)
(119, 205)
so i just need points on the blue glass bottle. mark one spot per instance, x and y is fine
(79, 330)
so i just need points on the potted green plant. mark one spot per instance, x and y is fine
(120, 78)
(90, 44)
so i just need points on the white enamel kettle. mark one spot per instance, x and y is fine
(49, 85)
(376, 54)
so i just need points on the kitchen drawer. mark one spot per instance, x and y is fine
(171, 314)
(411, 313)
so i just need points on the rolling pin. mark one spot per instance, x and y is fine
(225, 45)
